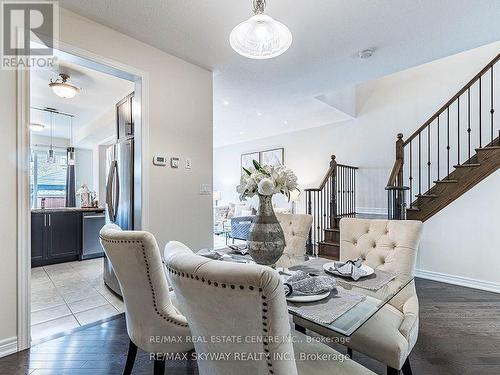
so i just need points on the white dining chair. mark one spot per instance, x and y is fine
(149, 307)
(296, 228)
(387, 245)
(239, 312)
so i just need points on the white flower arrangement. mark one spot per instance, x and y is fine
(266, 180)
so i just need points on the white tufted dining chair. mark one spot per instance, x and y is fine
(246, 304)
(387, 245)
(149, 307)
(296, 229)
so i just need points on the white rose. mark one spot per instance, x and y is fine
(266, 187)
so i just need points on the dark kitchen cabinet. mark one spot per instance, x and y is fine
(125, 117)
(55, 237)
(38, 237)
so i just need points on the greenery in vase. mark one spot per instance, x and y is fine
(266, 180)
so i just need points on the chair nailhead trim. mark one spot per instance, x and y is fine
(150, 282)
(265, 329)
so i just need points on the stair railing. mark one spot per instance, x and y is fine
(333, 199)
(447, 139)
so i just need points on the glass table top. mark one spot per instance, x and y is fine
(354, 318)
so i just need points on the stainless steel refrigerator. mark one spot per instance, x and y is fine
(119, 196)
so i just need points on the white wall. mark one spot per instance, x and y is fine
(180, 124)
(84, 169)
(464, 239)
(397, 103)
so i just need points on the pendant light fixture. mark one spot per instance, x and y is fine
(62, 88)
(260, 37)
(37, 127)
(71, 150)
(50, 156)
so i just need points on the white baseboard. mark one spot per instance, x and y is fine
(371, 210)
(459, 280)
(8, 346)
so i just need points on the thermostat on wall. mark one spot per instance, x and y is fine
(160, 160)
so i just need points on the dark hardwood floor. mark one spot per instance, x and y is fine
(459, 335)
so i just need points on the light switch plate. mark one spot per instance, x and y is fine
(188, 163)
(174, 162)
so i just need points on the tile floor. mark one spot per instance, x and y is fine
(69, 295)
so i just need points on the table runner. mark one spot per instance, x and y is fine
(329, 309)
(373, 282)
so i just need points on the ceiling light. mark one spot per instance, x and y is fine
(37, 127)
(62, 88)
(225, 102)
(259, 114)
(366, 53)
(241, 133)
(285, 122)
(260, 37)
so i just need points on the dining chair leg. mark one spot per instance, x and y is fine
(300, 329)
(159, 367)
(349, 352)
(407, 367)
(392, 371)
(132, 351)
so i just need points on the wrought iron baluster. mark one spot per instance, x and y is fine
(419, 163)
(492, 110)
(458, 130)
(468, 122)
(429, 157)
(480, 112)
(438, 149)
(448, 140)
(410, 174)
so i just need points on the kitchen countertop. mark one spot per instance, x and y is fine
(67, 209)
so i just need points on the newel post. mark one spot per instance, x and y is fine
(333, 194)
(400, 155)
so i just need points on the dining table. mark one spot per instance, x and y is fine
(367, 303)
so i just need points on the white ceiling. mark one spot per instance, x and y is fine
(99, 95)
(323, 57)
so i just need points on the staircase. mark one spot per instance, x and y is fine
(458, 147)
(334, 199)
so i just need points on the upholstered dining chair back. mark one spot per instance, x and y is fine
(243, 303)
(137, 263)
(296, 228)
(388, 245)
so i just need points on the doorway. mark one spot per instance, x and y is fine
(67, 143)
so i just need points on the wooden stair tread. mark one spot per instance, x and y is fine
(467, 165)
(333, 229)
(487, 148)
(427, 196)
(415, 209)
(329, 243)
(446, 182)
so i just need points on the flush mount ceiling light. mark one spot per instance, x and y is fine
(62, 88)
(260, 37)
(37, 127)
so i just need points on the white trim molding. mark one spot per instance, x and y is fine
(468, 282)
(8, 346)
(371, 210)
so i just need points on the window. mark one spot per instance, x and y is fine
(48, 180)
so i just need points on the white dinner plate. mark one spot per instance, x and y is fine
(364, 267)
(313, 298)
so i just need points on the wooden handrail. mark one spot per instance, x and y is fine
(329, 172)
(450, 102)
(398, 164)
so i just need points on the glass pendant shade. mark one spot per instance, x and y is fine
(50, 156)
(260, 37)
(71, 155)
